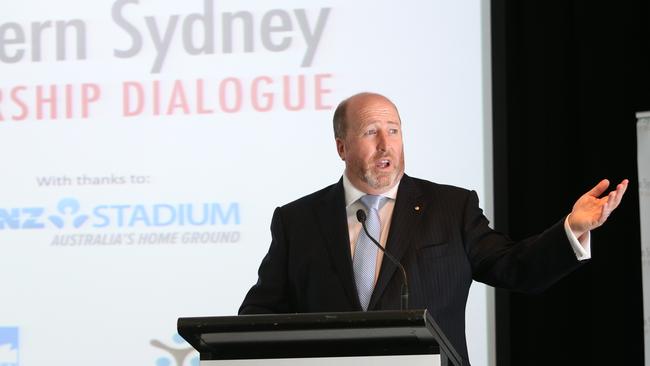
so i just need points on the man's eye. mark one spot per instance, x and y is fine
(371, 132)
(393, 131)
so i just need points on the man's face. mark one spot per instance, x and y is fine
(372, 147)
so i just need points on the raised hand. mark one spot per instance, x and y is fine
(590, 211)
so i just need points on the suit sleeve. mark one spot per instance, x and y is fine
(270, 293)
(530, 265)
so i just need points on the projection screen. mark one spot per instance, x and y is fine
(146, 144)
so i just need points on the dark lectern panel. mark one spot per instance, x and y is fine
(351, 334)
(371, 333)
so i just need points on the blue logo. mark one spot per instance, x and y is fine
(8, 346)
(68, 207)
(176, 356)
(70, 214)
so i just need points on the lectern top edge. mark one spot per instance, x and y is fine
(369, 319)
(316, 335)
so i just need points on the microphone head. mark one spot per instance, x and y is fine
(361, 216)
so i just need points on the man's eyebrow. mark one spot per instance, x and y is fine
(376, 122)
(369, 123)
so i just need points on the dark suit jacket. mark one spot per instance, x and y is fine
(443, 245)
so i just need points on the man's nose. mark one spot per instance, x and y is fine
(382, 141)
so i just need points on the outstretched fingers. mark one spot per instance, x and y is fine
(613, 199)
(599, 188)
(617, 195)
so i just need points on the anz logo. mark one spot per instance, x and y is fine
(35, 218)
(69, 214)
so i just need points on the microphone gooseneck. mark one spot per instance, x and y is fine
(361, 217)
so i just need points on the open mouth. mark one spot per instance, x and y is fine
(382, 163)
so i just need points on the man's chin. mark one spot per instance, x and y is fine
(383, 181)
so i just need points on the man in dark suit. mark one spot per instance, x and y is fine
(317, 261)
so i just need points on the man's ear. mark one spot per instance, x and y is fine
(340, 148)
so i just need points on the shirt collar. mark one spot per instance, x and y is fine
(352, 193)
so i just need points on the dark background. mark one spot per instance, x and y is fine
(568, 77)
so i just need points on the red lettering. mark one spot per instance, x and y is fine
(255, 95)
(68, 101)
(15, 97)
(200, 109)
(126, 98)
(229, 95)
(90, 93)
(178, 99)
(287, 93)
(156, 98)
(42, 100)
(237, 95)
(319, 91)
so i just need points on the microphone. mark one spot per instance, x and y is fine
(404, 303)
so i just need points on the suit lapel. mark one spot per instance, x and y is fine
(333, 223)
(404, 217)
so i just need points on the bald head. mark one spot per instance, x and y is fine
(349, 107)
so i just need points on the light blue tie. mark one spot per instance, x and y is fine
(365, 251)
